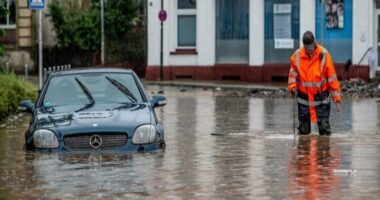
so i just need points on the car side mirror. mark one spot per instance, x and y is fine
(26, 106)
(158, 101)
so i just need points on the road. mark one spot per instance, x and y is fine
(219, 146)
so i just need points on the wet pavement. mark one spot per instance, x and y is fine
(219, 146)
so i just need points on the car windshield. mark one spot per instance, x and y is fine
(79, 92)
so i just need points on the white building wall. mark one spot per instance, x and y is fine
(307, 17)
(362, 33)
(206, 32)
(154, 33)
(256, 32)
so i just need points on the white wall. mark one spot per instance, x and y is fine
(154, 33)
(256, 32)
(307, 17)
(362, 33)
(206, 32)
(170, 35)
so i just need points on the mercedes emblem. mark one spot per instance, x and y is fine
(95, 141)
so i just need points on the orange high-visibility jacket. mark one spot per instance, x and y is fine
(312, 76)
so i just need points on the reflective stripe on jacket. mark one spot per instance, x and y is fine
(313, 75)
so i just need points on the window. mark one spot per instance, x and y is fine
(9, 20)
(281, 30)
(187, 23)
(232, 31)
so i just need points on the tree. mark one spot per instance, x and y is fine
(81, 28)
(3, 14)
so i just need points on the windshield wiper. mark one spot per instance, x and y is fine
(88, 95)
(123, 89)
(125, 106)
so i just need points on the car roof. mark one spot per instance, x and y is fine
(91, 70)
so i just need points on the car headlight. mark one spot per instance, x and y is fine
(144, 134)
(43, 138)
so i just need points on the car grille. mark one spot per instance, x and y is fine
(108, 141)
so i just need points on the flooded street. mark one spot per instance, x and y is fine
(219, 146)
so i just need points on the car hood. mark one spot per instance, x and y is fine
(91, 121)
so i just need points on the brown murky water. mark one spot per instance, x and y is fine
(218, 147)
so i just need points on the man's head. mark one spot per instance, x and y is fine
(308, 42)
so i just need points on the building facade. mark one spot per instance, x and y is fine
(252, 40)
(19, 34)
(21, 26)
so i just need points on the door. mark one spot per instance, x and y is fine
(232, 31)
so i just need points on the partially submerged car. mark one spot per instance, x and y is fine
(98, 109)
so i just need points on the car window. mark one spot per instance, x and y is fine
(103, 87)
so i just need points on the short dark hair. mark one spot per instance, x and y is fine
(308, 38)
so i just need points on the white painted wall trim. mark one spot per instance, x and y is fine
(256, 32)
(154, 33)
(307, 17)
(362, 33)
(206, 32)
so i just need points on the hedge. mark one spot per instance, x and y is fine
(12, 91)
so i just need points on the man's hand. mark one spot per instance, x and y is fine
(338, 106)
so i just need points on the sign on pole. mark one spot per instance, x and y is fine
(39, 5)
(36, 4)
(162, 15)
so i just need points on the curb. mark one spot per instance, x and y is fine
(216, 86)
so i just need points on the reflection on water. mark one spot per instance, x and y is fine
(219, 146)
(311, 169)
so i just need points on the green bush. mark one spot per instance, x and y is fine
(12, 91)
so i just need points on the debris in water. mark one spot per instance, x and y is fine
(218, 134)
(345, 171)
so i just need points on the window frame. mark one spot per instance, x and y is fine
(7, 25)
(185, 12)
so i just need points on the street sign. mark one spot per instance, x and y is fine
(36, 4)
(162, 15)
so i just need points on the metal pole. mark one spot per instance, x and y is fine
(102, 31)
(45, 74)
(162, 46)
(26, 72)
(40, 47)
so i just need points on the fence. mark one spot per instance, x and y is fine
(49, 70)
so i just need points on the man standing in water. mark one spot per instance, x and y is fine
(312, 79)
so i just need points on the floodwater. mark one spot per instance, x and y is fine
(219, 146)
